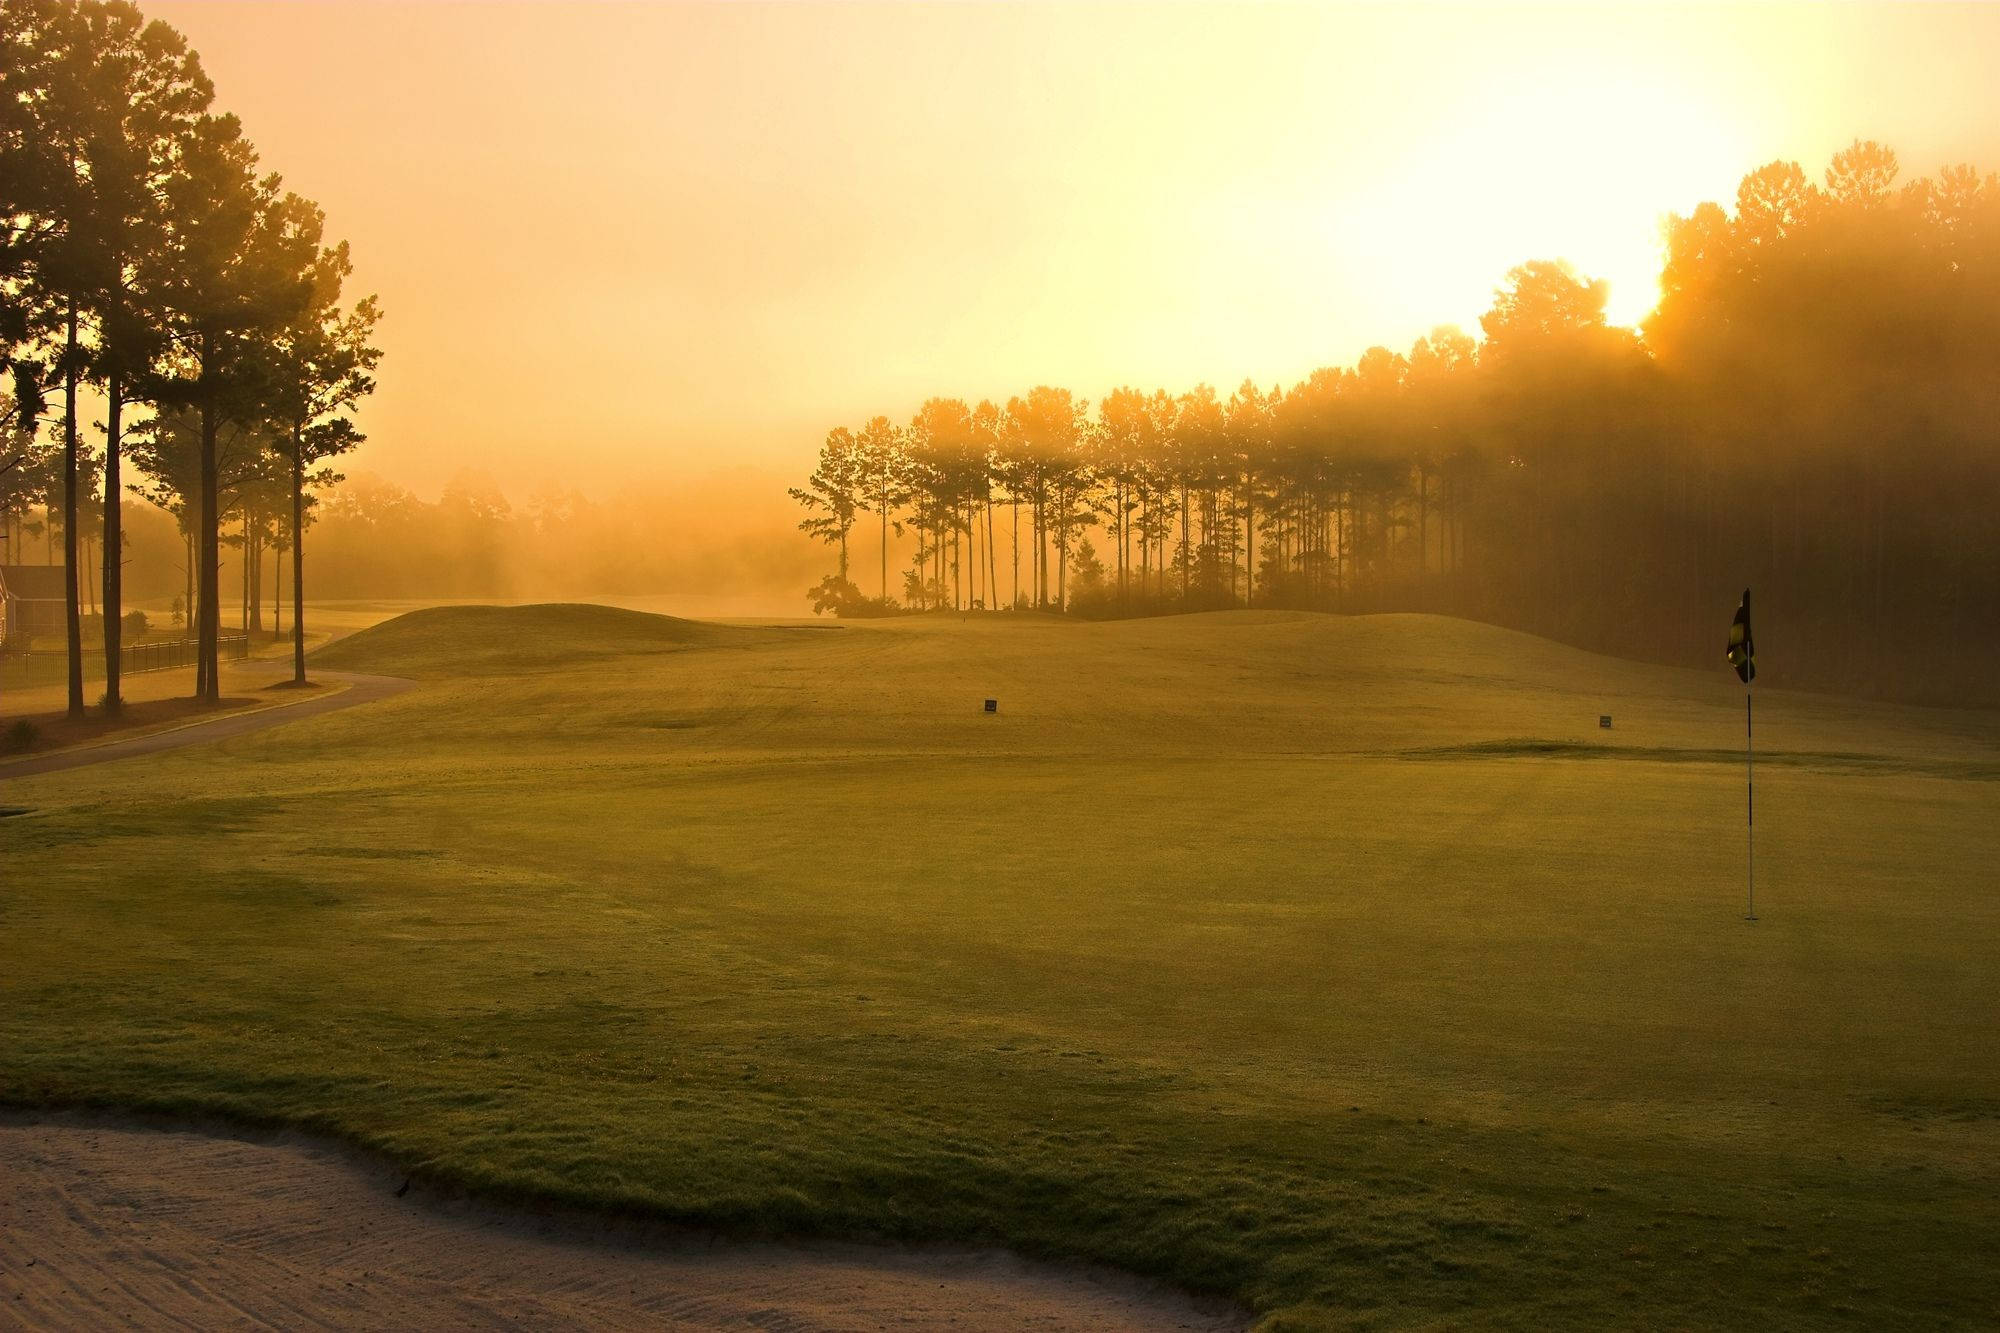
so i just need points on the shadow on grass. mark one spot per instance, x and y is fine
(1827, 760)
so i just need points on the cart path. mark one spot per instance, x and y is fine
(361, 689)
(119, 1225)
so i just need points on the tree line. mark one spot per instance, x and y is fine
(731, 541)
(148, 257)
(1811, 408)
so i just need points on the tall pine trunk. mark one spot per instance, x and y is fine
(1150, 555)
(1118, 499)
(1041, 546)
(992, 574)
(253, 569)
(1015, 502)
(298, 561)
(1187, 558)
(208, 687)
(1423, 523)
(1062, 563)
(114, 549)
(1037, 585)
(1249, 547)
(72, 587)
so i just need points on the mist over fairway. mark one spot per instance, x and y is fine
(1260, 805)
(1341, 965)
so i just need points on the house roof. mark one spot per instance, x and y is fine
(33, 583)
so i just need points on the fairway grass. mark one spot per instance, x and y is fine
(1342, 966)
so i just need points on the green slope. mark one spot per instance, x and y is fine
(1319, 961)
(499, 640)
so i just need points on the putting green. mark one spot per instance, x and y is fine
(1341, 965)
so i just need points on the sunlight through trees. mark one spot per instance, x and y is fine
(1810, 409)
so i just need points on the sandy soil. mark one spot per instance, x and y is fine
(106, 1225)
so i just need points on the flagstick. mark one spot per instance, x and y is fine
(1750, 804)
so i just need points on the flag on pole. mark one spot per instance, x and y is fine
(1742, 655)
(1742, 648)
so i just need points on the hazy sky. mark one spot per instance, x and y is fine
(652, 240)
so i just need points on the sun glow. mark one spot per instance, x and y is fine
(830, 211)
(1585, 171)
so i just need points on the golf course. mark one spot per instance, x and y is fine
(1343, 967)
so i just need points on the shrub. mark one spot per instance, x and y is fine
(833, 593)
(136, 625)
(21, 736)
(866, 607)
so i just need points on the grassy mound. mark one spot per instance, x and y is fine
(511, 640)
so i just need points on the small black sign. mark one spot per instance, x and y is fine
(1604, 721)
(993, 706)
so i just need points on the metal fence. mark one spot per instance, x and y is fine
(166, 654)
(161, 656)
(32, 668)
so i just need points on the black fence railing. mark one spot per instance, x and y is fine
(166, 654)
(38, 668)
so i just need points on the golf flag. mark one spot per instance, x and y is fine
(1742, 648)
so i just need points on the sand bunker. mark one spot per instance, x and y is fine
(104, 1226)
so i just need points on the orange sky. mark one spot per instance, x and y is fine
(619, 240)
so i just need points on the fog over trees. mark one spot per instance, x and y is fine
(1811, 409)
(146, 252)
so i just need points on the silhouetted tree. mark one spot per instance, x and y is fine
(832, 496)
(1811, 409)
(884, 485)
(322, 364)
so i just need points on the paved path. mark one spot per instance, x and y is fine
(360, 690)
